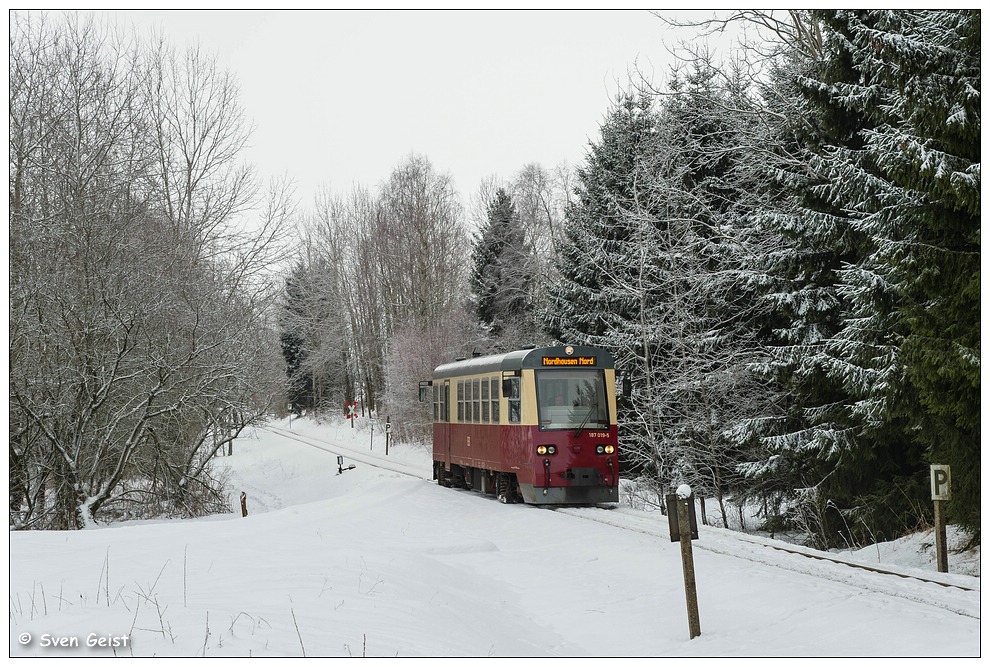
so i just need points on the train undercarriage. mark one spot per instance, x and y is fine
(586, 486)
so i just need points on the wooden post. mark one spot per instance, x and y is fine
(941, 550)
(243, 504)
(388, 432)
(941, 492)
(684, 500)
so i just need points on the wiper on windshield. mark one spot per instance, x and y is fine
(594, 407)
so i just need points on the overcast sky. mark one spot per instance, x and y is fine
(342, 97)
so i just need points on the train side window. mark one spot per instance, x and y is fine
(494, 385)
(476, 402)
(445, 402)
(472, 388)
(460, 400)
(515, 408)
(467, 400)
(441, 411)
(436, 402)
(485, 401)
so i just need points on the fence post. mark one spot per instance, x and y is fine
(682, 529)
(243, 504)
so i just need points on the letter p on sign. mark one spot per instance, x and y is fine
(941, 481)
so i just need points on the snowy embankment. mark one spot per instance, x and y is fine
(380, 563)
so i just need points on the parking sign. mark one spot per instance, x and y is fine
(941, 483)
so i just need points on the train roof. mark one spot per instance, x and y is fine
(537, 357)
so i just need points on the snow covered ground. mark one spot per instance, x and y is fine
(379, 563)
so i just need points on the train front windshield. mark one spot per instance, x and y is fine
(571, 399)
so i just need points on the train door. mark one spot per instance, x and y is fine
(445, 422)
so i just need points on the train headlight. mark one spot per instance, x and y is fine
(609, 449)
(543, 450)
(605, 449)
(600, 449)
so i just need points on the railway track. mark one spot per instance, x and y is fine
(351, 453)
(791, 549)
(954, 593)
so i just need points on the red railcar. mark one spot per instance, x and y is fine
(534, 425)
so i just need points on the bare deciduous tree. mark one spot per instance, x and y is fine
(139, 343)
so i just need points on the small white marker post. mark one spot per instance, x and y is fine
(941, 491)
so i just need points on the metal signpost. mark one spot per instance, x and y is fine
(941, 492)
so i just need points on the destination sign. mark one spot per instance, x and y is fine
(569, 361)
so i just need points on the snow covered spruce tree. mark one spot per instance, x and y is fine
(884, 353)
(299, 388)
(502, 275)
(784, 472)
(667, 273)
(539, 199)
(597, 266)
(920, 171)
(596, 234)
